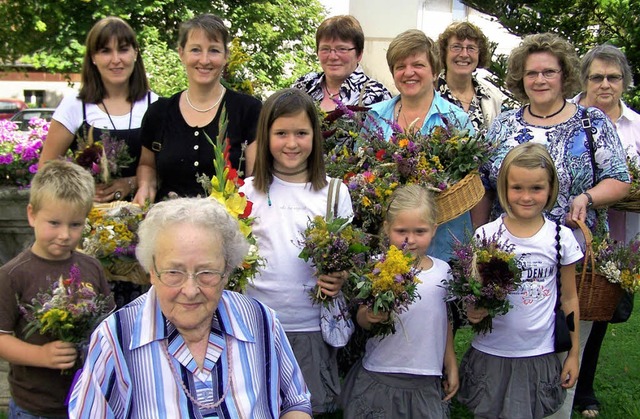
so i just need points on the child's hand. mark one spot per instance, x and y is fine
(59, 355)
(570, 370)
(474, 314)
(330, 284)
(450, 384)
(367, 315)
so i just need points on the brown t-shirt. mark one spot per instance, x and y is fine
(41, 391)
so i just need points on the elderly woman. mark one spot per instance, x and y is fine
(592, 171)
(187, 348)
(340, 43)
(175, 149)
(463, 49)
(413, 61)
(605, 75)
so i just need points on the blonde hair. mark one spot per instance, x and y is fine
(412, 42)
(528, 156)
(64, 181)
(410, 197)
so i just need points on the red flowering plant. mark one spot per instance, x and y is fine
(484, 271)
(224, 187)
(105, 158)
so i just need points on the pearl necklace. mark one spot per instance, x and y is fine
(204, 110)
(204, 406)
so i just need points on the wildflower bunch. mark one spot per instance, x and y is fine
(224, 188)
(332, 245)
(69, 311)
(104, 159)
(341, 127)
(388, 284)
(484, 271)
(618, 262)
(20, 151)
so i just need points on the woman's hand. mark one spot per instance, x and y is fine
(330, 284)
(474, 314)
(367, 318)
(577, 211)
(116, 190)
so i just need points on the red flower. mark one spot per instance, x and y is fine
(247, 209)
(348, 176)
(380, 155)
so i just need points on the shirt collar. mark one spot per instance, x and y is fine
(151, 325)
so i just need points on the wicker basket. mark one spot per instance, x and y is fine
(598, 297)
(630, 203)
(459, 198)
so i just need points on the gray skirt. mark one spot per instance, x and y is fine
(510, 388)
(319, 366)
(374, 395)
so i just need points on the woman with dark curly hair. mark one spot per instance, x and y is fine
(463, 49)
(592, 170)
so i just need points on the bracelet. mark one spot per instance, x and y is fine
(590, 203)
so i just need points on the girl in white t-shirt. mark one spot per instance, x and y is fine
(512, 371)
(412, 373)
(289, 187)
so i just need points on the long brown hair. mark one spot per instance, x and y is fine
(284, 103)
(92, 89)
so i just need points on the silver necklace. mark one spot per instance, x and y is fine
(178, 378)
(208, 109)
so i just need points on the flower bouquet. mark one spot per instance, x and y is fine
(443, 161)
(104, 159)
(610, 268)
(332, 246)
(484, 271)
(388, 284)
(224, 187)
(341, 127)
(69, 311)
(110, 235)
(20, 151)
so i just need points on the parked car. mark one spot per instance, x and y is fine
(8, 107)
(23, 117)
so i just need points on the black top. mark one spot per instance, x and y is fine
(183, 152)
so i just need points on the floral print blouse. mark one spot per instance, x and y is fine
(568, 145)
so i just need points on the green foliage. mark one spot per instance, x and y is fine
(586, 23)
(274, 39)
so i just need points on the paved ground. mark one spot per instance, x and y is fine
(4, 387)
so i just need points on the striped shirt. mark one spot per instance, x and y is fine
(127, 373)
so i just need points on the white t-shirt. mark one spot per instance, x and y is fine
(286, 280)
(527, 329)
(69, 114)
(420, 340)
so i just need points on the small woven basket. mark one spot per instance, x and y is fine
(459, 198)
(597, 296)
(630, 203)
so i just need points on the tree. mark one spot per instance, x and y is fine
(586, 23)
(274, 39)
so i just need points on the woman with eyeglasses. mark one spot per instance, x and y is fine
(339, 44)
(464, 49)
(543, 72)
(605, 75)
(187, 348)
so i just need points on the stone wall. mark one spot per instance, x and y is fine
(15, 235)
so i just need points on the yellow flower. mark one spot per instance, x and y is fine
(236, 204)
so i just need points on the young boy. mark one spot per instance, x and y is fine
(60, 199)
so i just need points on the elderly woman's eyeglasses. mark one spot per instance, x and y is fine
(174, 277)
(599, 78)
(457, 48)
(339, 51)
(547, 74)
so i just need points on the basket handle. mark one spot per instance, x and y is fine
(588, 256)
